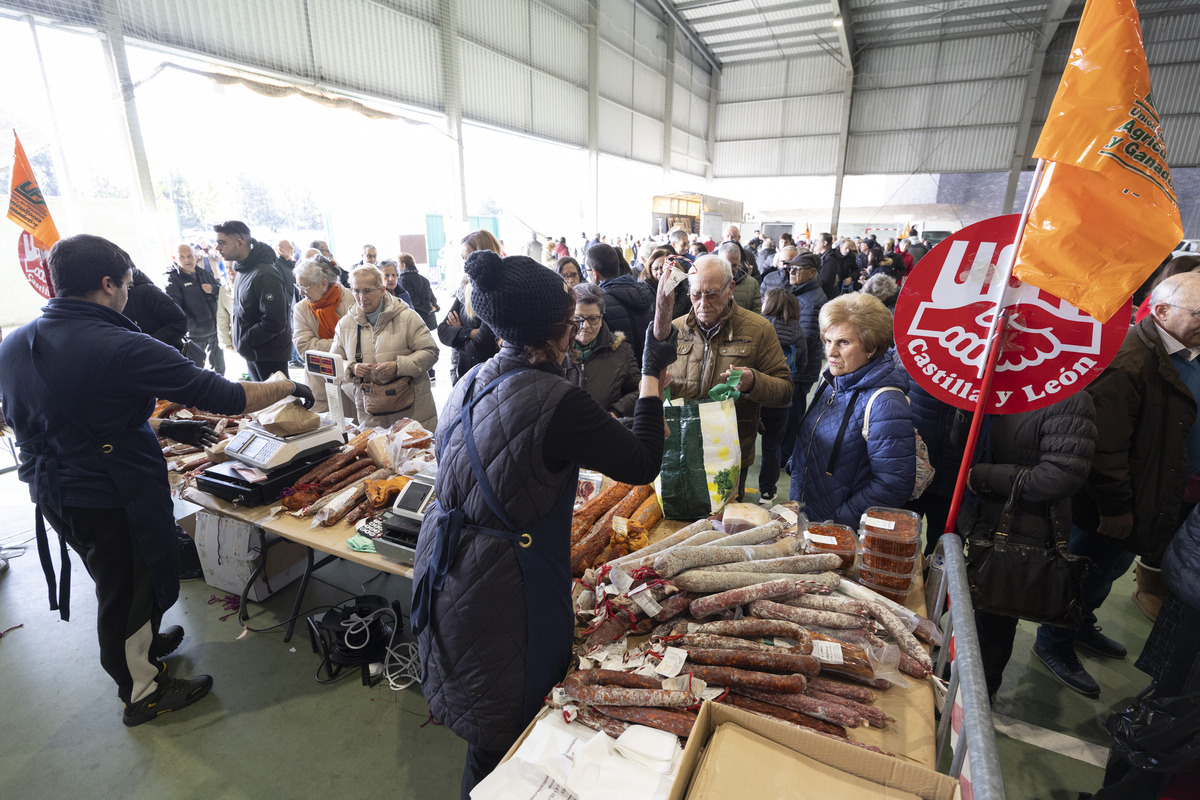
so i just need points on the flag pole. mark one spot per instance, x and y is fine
(1034, 185)
(995, 344)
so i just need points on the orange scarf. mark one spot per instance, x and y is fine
(326, 310)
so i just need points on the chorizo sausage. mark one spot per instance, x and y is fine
(834, 713)
(600, 722)
(331, 465)
(796, 564)
(592, 543)
(766, 609)
(842, 605)
(703, 581)
(613, 688)
(648, 513)
(910, 666)
(679, 536)
(785, 714)
(860, 694)
(741, 678)
(673, 606)
(587, 514)
(678, 560)
(711, 604)
(361, 510)
(669, 721)
(874, 716)
(763, 533)
(908, 643)
(707, 641)
(337, 477)
(757, 660)
(760, 627)
(362, 470)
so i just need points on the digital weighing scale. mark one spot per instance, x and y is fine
(266, 451)
(395, 534)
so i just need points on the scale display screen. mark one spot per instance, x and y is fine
(413, 499)
(321, 365)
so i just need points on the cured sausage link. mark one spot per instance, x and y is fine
(678, 560)
(741, 678)
(669, 721)
(757, 660)
(767, 609)
(860, 694)
(784, 714)
(711, 604)
(875, 716)
(834, 713)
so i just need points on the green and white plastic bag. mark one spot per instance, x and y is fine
(702, 456)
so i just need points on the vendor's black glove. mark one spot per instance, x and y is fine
(657, 355)
(304, 393)
(188, 431)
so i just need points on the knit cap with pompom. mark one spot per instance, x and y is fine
(519, 298)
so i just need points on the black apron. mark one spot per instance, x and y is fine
(543, 553)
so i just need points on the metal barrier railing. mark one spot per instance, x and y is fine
(977, 741)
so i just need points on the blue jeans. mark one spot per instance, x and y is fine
(1112, 561)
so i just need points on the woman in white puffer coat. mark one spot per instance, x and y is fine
(382, 339)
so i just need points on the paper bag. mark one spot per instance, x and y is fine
(288, 417)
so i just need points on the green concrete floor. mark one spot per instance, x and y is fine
(269, 728)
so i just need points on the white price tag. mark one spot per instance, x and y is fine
(685, 683)
(882, 524)
(672, 662)
(647, 670)
(820, 538)
(673, 279)
(620, 579)
(645, 601)
(693, 627)
(827, 652)
(558, 696)
(711, 693)
(183, 413)
(789, 516)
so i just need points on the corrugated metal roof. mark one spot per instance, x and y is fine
(1183, 139)
(940, 105)
(944, 62)
(809, 156)
(783, 117)
(783, 78)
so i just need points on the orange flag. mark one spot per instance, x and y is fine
(807, 233)
(26, 206)
(1106, 172)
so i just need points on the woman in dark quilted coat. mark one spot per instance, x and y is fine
(492, 580)
(836, 471)
(1056, 444)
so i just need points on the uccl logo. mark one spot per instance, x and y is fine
(946, 311)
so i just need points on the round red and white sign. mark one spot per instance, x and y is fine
(33, 264)
(945, 311)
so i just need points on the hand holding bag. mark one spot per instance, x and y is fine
(381, 399)
(1036, 583)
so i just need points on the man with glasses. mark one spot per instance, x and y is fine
(802, 270)
(261, 307)
(1135, 497)
(719, 336)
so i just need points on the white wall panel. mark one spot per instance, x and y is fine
(616, 75)
(500, 24)
(616, 130)
(649, 89)
(650, 38)
(647, 139)
(790, 116)
(616, 20)
(808, 156)
(938, 105)
(784, 78)
(942, 62)
(559, 109)
(982, 149)
(494, 89)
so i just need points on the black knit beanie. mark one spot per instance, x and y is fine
(518, 297)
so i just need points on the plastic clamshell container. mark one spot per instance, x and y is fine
(890, 594)
(891, 580)
(888, 563)
(891, 531)
(830, 537)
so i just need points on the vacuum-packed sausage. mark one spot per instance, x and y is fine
(908, 643)
(806, 616)
(781, 713)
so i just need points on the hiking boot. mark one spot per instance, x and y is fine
(1091, 639)
(1067, 668)
(165, 642)
(171, 695)
(1150, 590)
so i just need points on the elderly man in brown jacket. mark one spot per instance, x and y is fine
(718, 336)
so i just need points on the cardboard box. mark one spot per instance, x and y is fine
(230, 550)
(755, 756)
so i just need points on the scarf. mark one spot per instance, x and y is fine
(326, 310)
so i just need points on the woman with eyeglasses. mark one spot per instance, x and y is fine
(603, 362)
(386, 344)
(470, 338)
(570, 271)
(657, 264)
(316, 316)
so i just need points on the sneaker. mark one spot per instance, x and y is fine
(172, 694)
(1091, 639)
(165, 642)
(766, 499)
(1067, 668)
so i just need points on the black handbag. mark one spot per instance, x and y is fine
(1039, 583)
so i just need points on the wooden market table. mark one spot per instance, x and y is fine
(331, 541)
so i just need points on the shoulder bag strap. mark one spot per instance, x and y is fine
(837, 445)
(866, 429)
(1004, 524)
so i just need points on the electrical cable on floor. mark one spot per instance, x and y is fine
(401, 667)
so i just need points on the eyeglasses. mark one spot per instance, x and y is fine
(593, 319)
(364, 291)
(1195, 312)
(711, 295)
(798, 270)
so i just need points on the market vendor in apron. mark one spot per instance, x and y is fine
(78, 386)
(492, 584)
